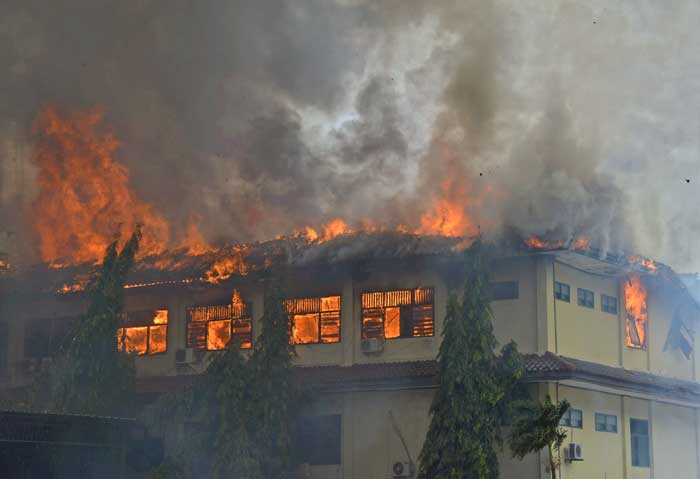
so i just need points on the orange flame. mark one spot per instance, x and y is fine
(636, 306)
(160, 316)
(449, 215)
(84, 195)
(647, 263)
(537, 243)
(224, 268)
(330, 230)
(5, 266)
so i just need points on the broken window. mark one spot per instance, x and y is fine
(213, 327)
(318, 440)
(144, 332)
(680, 336)
(504, 290)
(608, 304)
(314, 320)
(586, 298)
(562, 291)
(398, 314)
(636, 308)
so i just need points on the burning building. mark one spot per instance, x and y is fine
(612, 335)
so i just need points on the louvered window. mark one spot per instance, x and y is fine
(212, 327)
(314, 320)
(398, 314)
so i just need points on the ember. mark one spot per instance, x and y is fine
(636, 306)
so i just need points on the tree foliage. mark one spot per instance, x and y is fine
(90, 375)
(475, 385)
(243, 410)
(537, 428)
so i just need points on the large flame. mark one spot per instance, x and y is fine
(230, 264)
(636, 306)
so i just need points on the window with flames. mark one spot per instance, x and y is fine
(144, 332)
(314, 320)
(213, 327)
(398, 314)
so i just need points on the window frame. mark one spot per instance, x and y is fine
(304, 438)
(605, 301)
(137, 324)
(566, 419)
(641, 439)
(516, 290)
(559, 296)
(413, 304)
(605, 423)
(319, 313)
(246, 315)
(581, 298)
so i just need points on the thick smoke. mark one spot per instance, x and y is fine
(256, 118)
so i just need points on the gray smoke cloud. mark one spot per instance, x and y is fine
(256, 118)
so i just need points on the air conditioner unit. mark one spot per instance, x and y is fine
(573, 452)
(185, 356)
(372, 345)
(402, 470)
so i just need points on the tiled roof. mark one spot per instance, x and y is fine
(423, 374)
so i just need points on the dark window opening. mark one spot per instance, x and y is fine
(212, 327)
(504, 290)
(398, 314)
(605, 422)
(318, 440)
(572, 418)
(314, 320)
(586, 298)
(562, 291)
(639, 437)
(608, 304)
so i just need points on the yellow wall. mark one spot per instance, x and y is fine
(673, 438)
(585, 333)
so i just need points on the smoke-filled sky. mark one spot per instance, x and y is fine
(253, 119)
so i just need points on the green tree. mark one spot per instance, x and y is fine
(537, 428)
(475, 385)
(90, 375)
(244, 409)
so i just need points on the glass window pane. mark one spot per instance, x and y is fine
(160, 316)
(218, 334)
(330, 303)
(305, 328)
(158, 340)
(135, 340)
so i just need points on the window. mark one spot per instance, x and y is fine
(572, 418)
(639, 437)
(605, 422)
(4, 345)
(562, 291)
(318, 440)
(43, 337)
(398, 314)
(608, 304)
(504, 290)
(585, 298)
(212, 327)
(144, 332)
(314, 320)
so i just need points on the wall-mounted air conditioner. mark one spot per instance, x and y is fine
(185, 356)
(403, 470)
(372, 345)
(573, 452)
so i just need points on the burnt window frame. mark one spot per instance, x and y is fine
(413, 304)
(602, 422)
(126, 323)
(500, 287)
(606, 301)
(318, 445)
(566, 421)
(582, 294)
(559, 294)
(320, 312)
(247, 316)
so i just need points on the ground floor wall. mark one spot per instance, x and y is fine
(373, 422)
